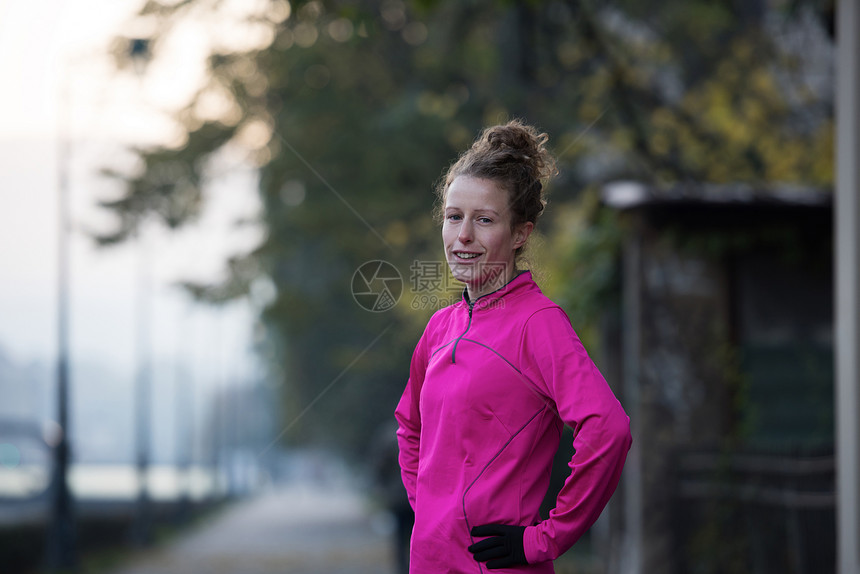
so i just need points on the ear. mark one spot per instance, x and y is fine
(521, 233)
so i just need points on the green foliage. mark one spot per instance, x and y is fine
(352, 111)
(580, 263)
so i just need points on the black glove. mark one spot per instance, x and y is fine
(504, 547)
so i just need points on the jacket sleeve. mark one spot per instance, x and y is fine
(556, 361)
(408, 418)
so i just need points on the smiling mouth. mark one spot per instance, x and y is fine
(466, 256)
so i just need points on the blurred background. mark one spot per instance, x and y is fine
(217, 254)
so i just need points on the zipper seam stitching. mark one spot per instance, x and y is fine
(486, 466)
(463, 334)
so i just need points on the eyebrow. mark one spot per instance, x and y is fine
(481, 210)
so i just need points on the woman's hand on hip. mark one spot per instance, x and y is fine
(502, 549)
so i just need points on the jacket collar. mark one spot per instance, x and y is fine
(520, 283)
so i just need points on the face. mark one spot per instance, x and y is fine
(476, 232)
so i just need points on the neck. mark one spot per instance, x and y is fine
(487, 287)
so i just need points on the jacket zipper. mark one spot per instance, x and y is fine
(469, 325)
(463, 334)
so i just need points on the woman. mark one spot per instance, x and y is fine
(493, 380)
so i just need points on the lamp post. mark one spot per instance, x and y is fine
(184, 415)
(138, 52)
(847, 221)
(60, 548)
(141, 528)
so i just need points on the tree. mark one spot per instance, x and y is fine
(351, 110)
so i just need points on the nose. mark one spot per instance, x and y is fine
(465, 235)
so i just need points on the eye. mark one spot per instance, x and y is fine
(485, 219)
(453, 217)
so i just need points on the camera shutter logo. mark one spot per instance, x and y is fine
(377, 286)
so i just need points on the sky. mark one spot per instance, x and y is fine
(59, 83)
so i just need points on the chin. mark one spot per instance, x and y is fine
(464, 275)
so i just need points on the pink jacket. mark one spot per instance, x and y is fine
(489, 391)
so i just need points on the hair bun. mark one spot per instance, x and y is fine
(524, 144)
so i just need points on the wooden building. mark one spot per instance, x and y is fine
(725, 346)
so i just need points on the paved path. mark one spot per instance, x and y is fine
(293, 530)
